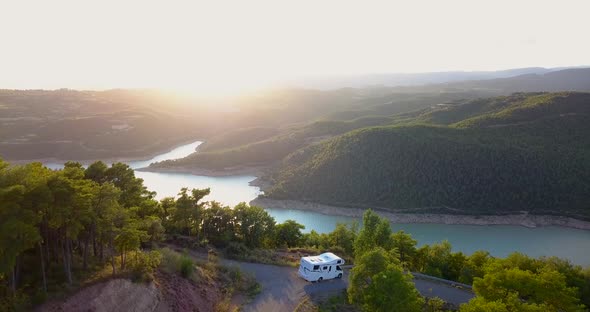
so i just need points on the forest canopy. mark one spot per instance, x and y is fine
(525, 152)
(58, 227)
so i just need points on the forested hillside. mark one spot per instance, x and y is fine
(241, 147)
(63, 229)
(304, 117)
(525, 152)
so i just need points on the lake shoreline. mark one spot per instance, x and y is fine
(525, 219)
(238, 171)
(108, 160)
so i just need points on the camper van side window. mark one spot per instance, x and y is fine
(325, 268)
(316, 267)
(339, 261)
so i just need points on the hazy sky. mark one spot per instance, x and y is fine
(218, 46)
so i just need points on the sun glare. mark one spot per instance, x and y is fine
(228, 47)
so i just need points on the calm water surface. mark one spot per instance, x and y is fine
(229, 190)
(500, 240)
(179, 152)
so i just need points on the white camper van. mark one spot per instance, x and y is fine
(322, 267)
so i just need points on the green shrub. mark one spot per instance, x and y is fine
(14, 302)
(174, 262)
(39, 297)
(143, 265)
(237, 251)
(186, 266)
(253, 288)
(235, 274)
(170, 260)
(435, 304)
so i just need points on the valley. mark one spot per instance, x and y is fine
(299, 156)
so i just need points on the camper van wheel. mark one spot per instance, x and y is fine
(320, 279)
(340, 275)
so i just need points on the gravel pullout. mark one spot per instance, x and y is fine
(111, 296)
(283, 290)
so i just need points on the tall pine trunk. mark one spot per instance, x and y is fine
(69, 245)
(67, 257)
(54, 244)
(65, 261)
(112, 256)
(13, 280)
(123, 258)
(101, 250)
(93, 234)
(43, 267)
(18, 269)
(85, 252)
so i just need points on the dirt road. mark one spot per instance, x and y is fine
(282, 289)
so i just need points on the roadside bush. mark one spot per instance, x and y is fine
(233, 279)
(238, 251)
(435, 304)
(186, 266)
(288, 234)
(14, 302)
(39, 297)
(170, 260)
(174, 262)
(143, 265)
(235, 274)
(336, 303)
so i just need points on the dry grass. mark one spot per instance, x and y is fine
(336, 303)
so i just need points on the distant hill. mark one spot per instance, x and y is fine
(525, 152)
(377, 107)
(415, 79)
(256, 129)
(574, 79)
(69, 124)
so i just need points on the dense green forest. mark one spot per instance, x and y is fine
(59, 227)
(257, 147)
(487, 156)
(380, 280)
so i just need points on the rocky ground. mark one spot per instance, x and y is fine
(168, 292)
(113, 295)
(181, 294)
